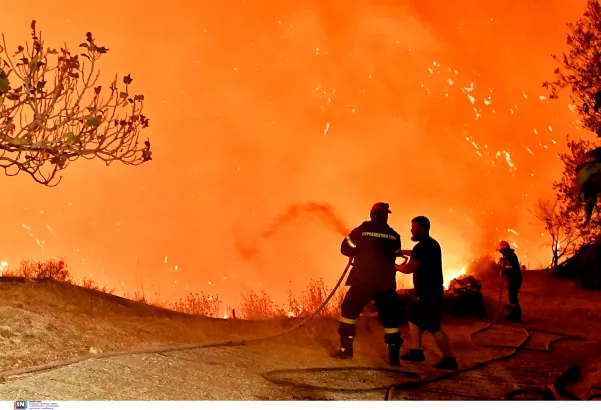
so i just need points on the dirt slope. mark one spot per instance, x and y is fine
(42, 322)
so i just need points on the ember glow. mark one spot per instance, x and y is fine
(3, 266)
(448, 277)
(257, 106)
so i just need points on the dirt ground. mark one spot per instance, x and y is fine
(44, 322)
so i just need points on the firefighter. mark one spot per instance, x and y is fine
(510, 267)
(374, 246)
(425, 313)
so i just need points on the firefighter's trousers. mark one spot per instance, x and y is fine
(513, 287)
(389, 310)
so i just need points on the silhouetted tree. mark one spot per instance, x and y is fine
(52, 112)
(563, 233)
(580, 71)
(563, 216)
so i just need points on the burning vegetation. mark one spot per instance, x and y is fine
(464, 296)
(38, 86)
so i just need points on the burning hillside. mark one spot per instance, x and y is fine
(436, 108)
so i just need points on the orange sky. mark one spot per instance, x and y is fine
(257, 105)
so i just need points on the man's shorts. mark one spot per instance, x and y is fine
(426, 313)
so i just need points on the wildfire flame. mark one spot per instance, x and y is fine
(456, 275)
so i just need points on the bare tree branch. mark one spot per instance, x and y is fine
(52, 111)
(564, 234)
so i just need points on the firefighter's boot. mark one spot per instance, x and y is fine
(347, 334)
(515, 314)
(394, 355)
(394, 341)
(345, 351)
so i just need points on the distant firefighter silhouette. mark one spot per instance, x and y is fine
(374, 246)
(510, 268)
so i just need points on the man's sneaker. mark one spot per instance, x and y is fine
(447, 363)
(414, 355)
(393, 355)
(343, 353)
(514, 318)
(515, 314)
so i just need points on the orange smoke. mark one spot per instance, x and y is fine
(327, 216)
(435, 107)
(323, 212)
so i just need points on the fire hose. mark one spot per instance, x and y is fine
(556, 391)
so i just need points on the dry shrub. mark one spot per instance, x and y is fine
(314, 296)
(198, 304)
(338, 299)
(254, 306)
(140, 297)
(259, 307)
(230, 312)
(295, 307)
(157, 302)
(91, 284)
(53, 269)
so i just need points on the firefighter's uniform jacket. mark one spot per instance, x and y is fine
(374, 245)
(511, 265)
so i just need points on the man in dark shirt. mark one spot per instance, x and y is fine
(510, 267)
(425, 312)
(374, 246)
